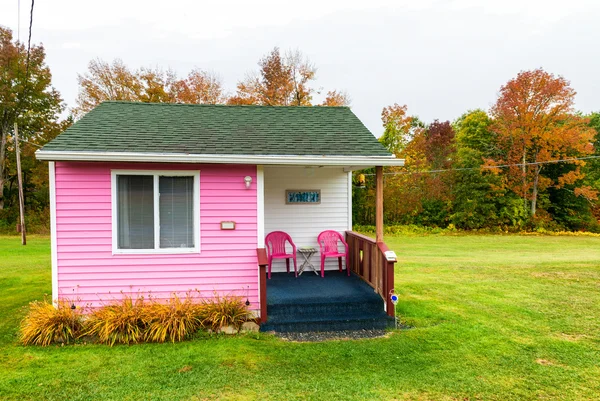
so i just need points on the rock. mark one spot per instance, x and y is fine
(250, 327)
(228, 330)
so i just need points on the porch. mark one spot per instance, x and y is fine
(312, 303)
(335, 302)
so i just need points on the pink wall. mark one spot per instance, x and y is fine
(89, 272)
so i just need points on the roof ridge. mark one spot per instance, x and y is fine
(139, 103)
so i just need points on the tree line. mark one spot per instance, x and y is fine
(28, 98)
(281, 80)
(487, 169)
(530, 162)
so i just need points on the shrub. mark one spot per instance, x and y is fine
(176, 320)
(45, 324)
(131, 321)
(122, 321)
(224, 311)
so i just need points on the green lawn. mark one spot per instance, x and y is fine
(495, 318)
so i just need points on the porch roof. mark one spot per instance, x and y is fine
(160, 132)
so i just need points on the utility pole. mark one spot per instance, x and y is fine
(20, 179)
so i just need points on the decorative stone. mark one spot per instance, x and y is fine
(250, 327)
(228, 330)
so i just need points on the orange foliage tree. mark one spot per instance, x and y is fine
(400, 128)
(106, 81)
(200, 87)
(336, 98)
(535, 123)
(283, 80)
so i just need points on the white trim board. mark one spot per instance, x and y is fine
(296, 160)
(260, 206)
(156, 174)
(349, 200)
(53, 236)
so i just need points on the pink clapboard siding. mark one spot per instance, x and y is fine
(90, 274)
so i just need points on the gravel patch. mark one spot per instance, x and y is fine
(315, 336)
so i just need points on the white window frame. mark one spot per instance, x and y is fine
(156, 174)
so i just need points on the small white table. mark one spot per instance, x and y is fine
(307, 252)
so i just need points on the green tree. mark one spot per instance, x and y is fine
(478, 197)
(26, 98)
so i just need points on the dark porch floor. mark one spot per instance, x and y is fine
(284, 288)
(314, 303)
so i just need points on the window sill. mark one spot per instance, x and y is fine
(165, 251)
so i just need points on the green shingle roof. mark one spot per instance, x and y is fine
(219, 130)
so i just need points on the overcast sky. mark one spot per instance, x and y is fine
(441, 58)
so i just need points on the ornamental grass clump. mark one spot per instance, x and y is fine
(176, 320)
(224, 311)
(120, 322)
(46, 324)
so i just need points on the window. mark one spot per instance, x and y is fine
(155, 212)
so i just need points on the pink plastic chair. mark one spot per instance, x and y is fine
(328, 242)
(275, 244)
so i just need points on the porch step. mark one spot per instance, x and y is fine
(316, 308)
(329, 323)
(334, 303)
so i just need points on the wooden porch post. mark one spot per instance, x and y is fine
(261, 254)
(379, 204)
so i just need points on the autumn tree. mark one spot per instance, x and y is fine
(26, 97)
(439, 145)
(399, 128)
(200, 87)
(414, 194)
(283, 80)
(535, 123)
(104, 81)
(336, 98)
(576, 206)
(156, 85)
(301, 71)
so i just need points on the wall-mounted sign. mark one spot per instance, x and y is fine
(302, 196)
(228, 225)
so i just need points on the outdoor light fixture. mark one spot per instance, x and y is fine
(248, 181)
(361, 180)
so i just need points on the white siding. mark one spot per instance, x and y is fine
(305, 222)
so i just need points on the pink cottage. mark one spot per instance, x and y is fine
(167, 198)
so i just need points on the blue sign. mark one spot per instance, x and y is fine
(302, 196)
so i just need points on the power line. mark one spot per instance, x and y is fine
(19, 21)
(488, 167)
(29, 45)
(31, 143)
(25, 84)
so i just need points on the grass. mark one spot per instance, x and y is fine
(495, 318)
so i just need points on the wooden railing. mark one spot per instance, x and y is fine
(368, 260)
(261, 253)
